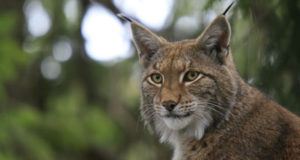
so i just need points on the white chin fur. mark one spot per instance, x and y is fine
(177, 123)
(177, 130)
(171, 129)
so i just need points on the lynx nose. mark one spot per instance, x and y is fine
(169, 105)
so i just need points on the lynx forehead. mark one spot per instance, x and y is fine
(166, 63)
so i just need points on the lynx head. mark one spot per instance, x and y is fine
(186, 86)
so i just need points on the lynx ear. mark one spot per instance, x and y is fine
(146, 42)
(216, 38)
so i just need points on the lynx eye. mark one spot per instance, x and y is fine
(190, 76)
(156, 78)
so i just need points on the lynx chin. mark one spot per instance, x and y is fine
(193, 98)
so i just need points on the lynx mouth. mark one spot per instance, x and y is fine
(177, 121)
(176, 116)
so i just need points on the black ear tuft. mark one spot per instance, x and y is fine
(124, 17)
(227, 9)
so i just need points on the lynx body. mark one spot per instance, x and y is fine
(193, 98)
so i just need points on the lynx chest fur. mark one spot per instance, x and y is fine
(194, 99)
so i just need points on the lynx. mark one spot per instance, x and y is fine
(194, 99)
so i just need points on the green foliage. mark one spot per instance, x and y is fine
(72, 124)
(19, 130)
(12, 55)
(69, 125)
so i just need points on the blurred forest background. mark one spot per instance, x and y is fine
(63, 97)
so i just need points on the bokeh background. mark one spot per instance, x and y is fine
(69, 73)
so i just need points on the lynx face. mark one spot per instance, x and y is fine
(188, 85)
